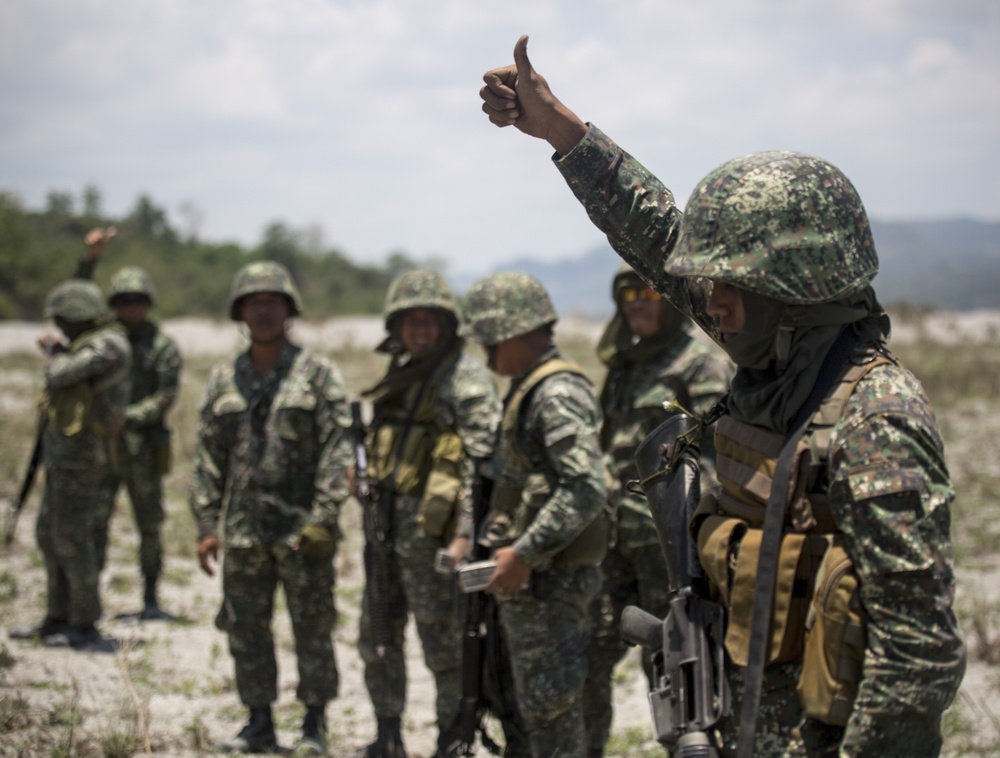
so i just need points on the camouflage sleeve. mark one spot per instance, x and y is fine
(336, 450)
(477, 416)
(211, 460)
(151, 410)
(637, 213)
(891, 495)
(85, 268)
(562, 420)
(93, 359)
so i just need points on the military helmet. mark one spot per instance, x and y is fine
(418, 289)
(263, 276)
(785, 225)
(505, 305)
(75, 300)
(131, 280)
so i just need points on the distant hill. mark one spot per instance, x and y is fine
(950, 265)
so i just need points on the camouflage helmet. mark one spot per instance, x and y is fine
(785, 225)
(131, 280)
(263, 276)
(418, 289)
(75, 300)
(506, 305)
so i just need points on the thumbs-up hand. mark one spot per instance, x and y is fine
(518, 95)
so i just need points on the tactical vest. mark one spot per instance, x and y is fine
(816, 616)
(70, 409)
(415, 454)
(516, 505)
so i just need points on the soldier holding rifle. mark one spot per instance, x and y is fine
(435, 411)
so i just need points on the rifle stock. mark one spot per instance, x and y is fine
(691, 693)
(377, 545)
(30, 471)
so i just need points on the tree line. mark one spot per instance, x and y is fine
(40, 248)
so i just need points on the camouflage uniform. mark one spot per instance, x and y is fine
(455, 396)
(639, 385)
(274, 448)
(548, 462)
(888, 485)
(143, 452)
(86, 389)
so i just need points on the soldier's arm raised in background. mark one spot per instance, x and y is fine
(96, 240)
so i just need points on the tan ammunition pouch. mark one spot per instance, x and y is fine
(70, 409)
(444, 483)
(836, 637)
(520, 504)
(816, 616)
(429, 463)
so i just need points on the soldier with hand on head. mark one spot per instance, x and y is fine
(434, 413)
(142, 455)
(652, 361)
(274, 453)
(86, 388)
(830, 462)
(548, 520)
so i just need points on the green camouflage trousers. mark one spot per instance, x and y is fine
(250, 577)
(65, 534)
(414, 587)
(634, 574)
(142, 481)
(547, 629)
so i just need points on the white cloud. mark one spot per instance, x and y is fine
(363, 117)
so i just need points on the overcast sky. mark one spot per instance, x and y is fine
(362, 118)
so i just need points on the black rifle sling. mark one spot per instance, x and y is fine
(770, 546)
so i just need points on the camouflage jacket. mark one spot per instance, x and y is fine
(688, 371)
(556, 434)
(276, 446)
(888, 483)
(96, 364)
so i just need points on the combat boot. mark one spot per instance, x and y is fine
(256, 737)
(44, 628)
(388, 744)
(313, 740)
(151, 610)
(74, 636)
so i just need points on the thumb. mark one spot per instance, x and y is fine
(524, 69)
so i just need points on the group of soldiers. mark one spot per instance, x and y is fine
(824, 447)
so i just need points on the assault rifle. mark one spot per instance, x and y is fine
(26, 483)
(377, 541)
(690, 693)
(487, 681)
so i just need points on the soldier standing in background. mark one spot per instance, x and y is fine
(825, 432)
(652, 361)
(143, 450)
(435, 411)
(86, 390)
(274, 447)
(548, 514)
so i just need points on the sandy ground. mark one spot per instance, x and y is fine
(178, 677)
